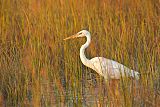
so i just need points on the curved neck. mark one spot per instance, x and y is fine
(83, 58)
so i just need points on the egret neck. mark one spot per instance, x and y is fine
(84, 60)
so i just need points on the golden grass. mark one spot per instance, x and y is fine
(37, 68)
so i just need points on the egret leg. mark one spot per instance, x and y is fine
(114, 91)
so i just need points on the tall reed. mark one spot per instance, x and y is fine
(37, 68)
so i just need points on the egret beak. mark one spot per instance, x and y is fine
(71, 37)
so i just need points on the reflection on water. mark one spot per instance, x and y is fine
(111, 94)
(90, 94)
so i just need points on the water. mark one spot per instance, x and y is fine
(89, 93)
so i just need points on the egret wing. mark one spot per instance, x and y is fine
(109, 68)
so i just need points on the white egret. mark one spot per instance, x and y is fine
(107, 68)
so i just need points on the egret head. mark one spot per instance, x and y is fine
(82, 33)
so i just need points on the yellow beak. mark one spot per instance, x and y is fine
(71, 37)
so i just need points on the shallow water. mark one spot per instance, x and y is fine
(90, 93)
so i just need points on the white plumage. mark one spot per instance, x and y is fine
(107, 68)
(111, 69)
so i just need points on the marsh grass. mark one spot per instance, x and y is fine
(37, 68)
